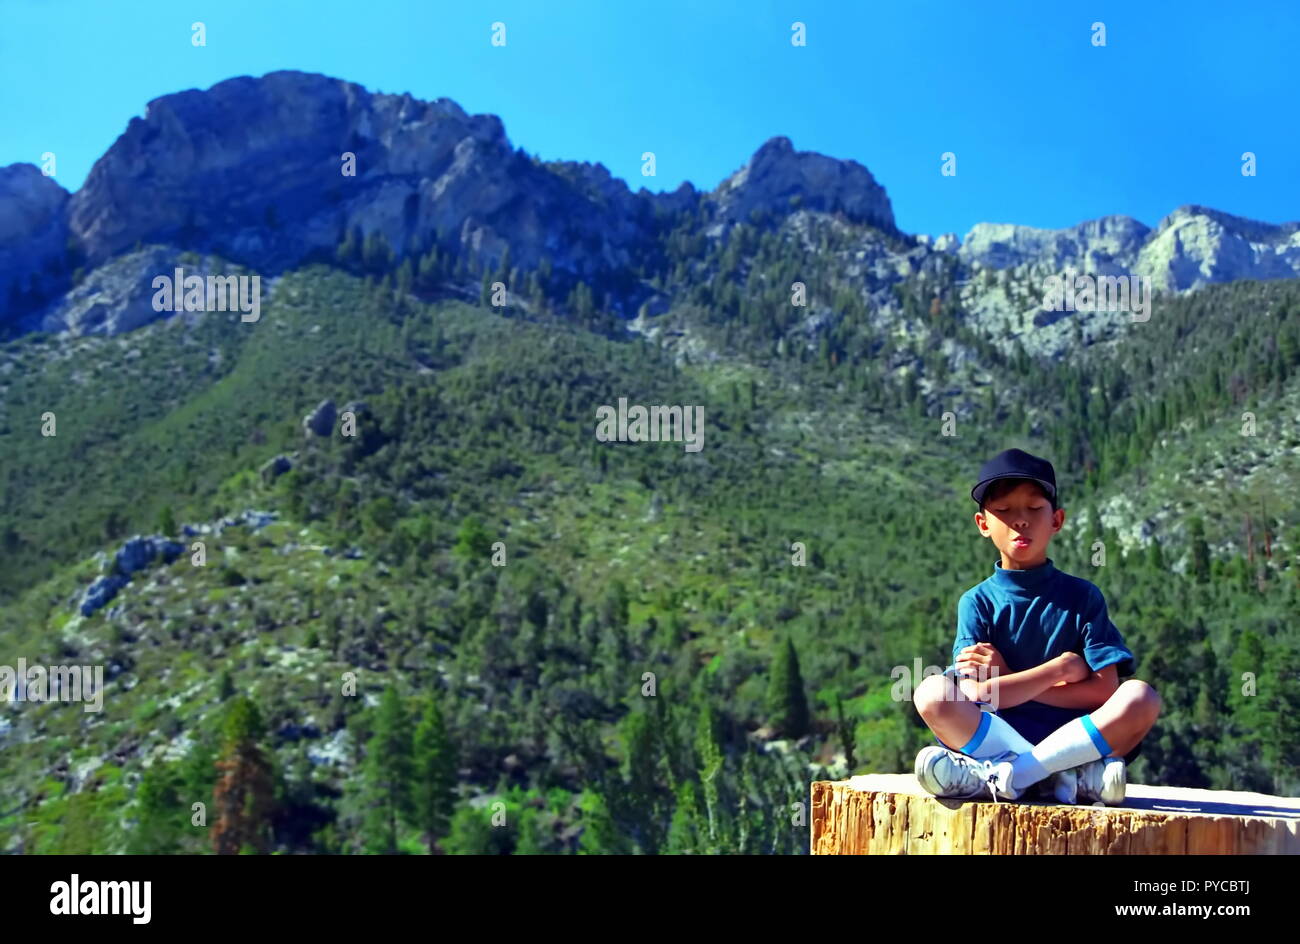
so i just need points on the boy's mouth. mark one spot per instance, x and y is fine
(1022, 542)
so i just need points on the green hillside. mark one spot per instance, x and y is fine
(620, 559)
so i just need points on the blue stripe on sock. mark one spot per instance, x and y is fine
(1098, 741)
(978, 737)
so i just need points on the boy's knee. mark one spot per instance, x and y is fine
(932, 694)
(1140, 697)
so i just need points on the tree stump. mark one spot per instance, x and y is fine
(890, 814)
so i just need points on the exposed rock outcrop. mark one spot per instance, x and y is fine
(1101, 247)
(135, 555)
(1192, 247)
(272, 469)
(33, 239)
(778, 179)
(320, 421)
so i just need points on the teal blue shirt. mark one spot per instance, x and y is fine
(1031, 616)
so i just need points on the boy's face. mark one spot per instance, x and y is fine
(1020, 523)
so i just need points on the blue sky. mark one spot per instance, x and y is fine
(1048, 129)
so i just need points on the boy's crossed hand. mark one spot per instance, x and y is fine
(982, 659)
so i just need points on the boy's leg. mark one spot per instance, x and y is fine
(971, 737)
(950, 715)
(1114, 729)
(1127, 716)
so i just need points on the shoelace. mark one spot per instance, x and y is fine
(985, 772)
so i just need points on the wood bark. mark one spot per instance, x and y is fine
(889, 814)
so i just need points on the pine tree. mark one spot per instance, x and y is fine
(787, 704)
(1155, 556)
(844, 727)
(684, 831)
(599, 834)
(405, 277)
(376, 253)
(473, 542)
(430, 270)
(710, 759)
(160, 814)
(348, 253)
(1200, 550)
(198, 773)
(503, 273)
(243, 797)
(530, 841)
(434, 784)
(387, 774)
(471, 833)
(639, 801)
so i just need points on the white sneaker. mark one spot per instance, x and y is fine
(1065, 786)
(1103, 781)
(949, 774)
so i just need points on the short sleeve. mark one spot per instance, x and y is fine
(1102, 643)
(972, 626)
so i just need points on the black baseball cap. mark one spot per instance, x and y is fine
(1015, 464)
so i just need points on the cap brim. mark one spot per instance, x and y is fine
(977, 493)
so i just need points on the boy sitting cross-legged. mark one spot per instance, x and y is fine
(1033, 695)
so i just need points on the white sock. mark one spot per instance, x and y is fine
(1073, 743)
(994, 736)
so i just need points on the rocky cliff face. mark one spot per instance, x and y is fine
(251, 170)
(1101, 247)
(33, 235)
(1195, 246)
(778, 179)
(1192, 247)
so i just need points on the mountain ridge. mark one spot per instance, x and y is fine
(250, 169)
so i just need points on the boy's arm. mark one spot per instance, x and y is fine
(1090, 694)
(1007, 691)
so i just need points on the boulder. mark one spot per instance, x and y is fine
(139, 552)
(100, 592)
(258, 519)
(132, 557)
(320, 421)
(272, 469)
(135, 554)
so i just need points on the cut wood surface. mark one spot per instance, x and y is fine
(890, 814)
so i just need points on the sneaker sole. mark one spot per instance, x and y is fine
(1114, 783)
(921, 769)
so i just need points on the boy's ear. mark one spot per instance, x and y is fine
(1058, 518)
(982, 523)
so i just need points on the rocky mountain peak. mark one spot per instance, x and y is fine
(1098, 245)
(33, 232)
(778, 174)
